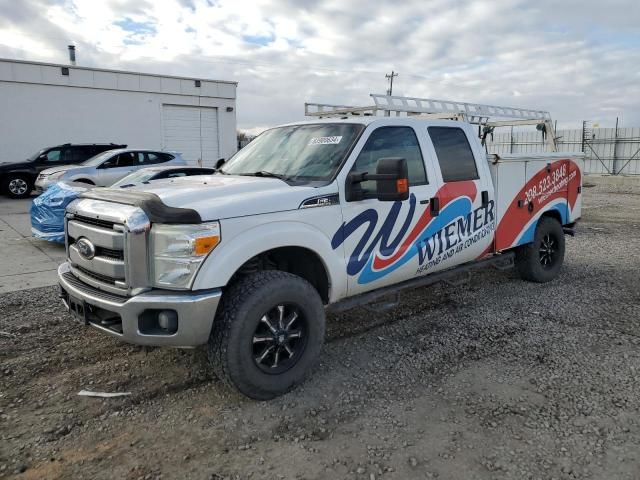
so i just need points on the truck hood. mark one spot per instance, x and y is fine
(217, 197)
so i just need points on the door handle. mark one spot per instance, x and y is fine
(435, 206)
(485, 198)
(424, 202)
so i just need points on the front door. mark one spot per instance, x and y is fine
(117, 167)
(383, 241)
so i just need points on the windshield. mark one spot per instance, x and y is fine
(136, 177)
(35, 155)
(98, 159)
(297, 152)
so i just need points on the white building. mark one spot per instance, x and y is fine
(43, 104)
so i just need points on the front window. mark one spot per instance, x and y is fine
(296, 153)
(387, 142)
(52, 156)
(98, 159)
(35, 155)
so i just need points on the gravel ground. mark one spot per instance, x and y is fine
(494, 379)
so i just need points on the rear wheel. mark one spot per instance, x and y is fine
(268, 333)
(18, 186)
(541, 260)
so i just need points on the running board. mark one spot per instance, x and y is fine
(502, 261)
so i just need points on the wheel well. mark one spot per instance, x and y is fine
(24, 175)
(553, 213)
(84, 180)
(296, 260)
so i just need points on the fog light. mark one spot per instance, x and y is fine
(168, 321)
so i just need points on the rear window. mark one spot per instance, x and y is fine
(157, 157)
(455, 156)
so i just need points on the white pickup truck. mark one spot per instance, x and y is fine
(325, 214)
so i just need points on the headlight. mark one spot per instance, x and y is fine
(52, 176)
(179, 250)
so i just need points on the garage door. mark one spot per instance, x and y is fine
(192, 131)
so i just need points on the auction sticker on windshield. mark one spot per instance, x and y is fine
(325, 140)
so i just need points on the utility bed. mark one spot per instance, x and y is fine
(525, 184)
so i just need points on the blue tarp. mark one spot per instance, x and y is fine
(47, 210)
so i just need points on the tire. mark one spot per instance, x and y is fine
(263, 359)
(542, 260)
(84, 180)
(18, 185)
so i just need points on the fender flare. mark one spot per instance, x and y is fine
(224, 261)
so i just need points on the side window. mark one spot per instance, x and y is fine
(52, 156)
(454, 153)
(164, 157)
(80, 154)
(177, 174)
(122, 160)
(387, 142)
(139, 158)
(66, 155)
(153, 158)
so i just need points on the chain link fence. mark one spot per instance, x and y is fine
(609, 151)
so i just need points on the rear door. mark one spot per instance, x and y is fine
(465, 203)
(383, 241)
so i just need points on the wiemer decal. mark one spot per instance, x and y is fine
(430, 241)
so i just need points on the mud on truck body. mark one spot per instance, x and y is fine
(339, 211)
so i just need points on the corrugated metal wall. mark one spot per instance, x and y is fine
(604, 153)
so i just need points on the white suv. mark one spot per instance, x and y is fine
(108, 167)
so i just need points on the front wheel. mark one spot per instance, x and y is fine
(18, 186)
(541, 260)
(268, 333)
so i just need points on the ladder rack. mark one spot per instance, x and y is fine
(490, 116)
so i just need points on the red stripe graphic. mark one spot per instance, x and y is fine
(560, 180)
(446, 194)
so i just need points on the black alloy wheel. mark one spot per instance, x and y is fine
(268, 332)
(279, 339)
(541, 260)
(548, 251)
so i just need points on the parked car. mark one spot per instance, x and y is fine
(47, 211)
(107, 168)
(145, 175)
(17, 178)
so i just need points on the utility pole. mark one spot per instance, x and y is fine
(387, 113)
(390, 77)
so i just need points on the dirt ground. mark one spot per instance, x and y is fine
(494, 379)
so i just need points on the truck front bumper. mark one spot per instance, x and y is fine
(135, 319)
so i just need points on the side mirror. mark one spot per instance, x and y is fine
(391, 177)
(219, 163)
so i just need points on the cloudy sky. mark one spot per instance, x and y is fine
(578, 59)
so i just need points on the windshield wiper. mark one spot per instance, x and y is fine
(264, 173)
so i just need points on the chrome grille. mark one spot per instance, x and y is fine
(100, 239)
